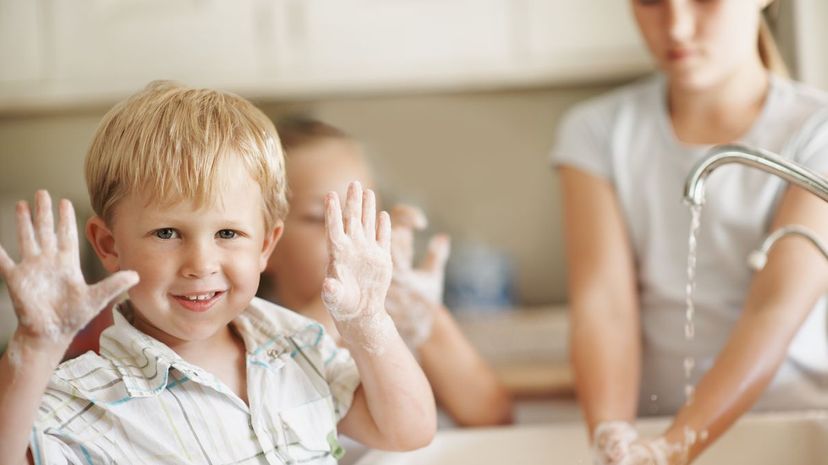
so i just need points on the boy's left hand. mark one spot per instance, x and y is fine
(359, 270)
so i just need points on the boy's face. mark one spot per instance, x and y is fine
(298, 264)
(199, 268)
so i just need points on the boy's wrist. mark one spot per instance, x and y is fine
(370, 332)
(30, 348)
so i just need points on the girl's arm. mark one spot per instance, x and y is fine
(780, 298)
(604, 337)
(464, 384)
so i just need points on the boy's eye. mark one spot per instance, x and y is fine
(226, 234)
(165, 233)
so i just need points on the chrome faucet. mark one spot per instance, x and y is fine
(765, 161)
(757, 158)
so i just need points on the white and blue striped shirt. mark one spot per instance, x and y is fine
(139, 402)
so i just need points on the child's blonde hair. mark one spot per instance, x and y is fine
(169, 143)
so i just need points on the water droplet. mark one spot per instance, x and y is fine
(689, 364)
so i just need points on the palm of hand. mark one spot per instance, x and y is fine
(359, 271)
(425, 283)
(364, 273)
(50, 296)
(415, 293)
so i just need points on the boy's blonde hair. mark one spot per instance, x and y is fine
(170, 143)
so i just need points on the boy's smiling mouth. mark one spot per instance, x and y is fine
(198, 302)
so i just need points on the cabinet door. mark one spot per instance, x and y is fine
(810, 36)
(403, 41)
(584, 39)
(125, 43)
(21, 52)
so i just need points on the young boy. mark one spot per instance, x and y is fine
(189, 193)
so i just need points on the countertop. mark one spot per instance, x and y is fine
(527, 347)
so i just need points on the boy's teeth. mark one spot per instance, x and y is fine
(200, 297)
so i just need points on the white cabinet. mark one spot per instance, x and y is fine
(130, 42)
(583, 40)
(810, 17)
(404, 41)
(70, 52)
(21, 44)
(376, 45)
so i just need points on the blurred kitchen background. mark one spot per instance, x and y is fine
(456, 100)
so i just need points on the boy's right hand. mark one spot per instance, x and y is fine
(50, 296)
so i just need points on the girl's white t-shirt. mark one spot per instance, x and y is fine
(627, 138)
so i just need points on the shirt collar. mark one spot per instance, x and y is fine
(144, 363)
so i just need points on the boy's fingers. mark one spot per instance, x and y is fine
(44, 221)
(369, 214)
(333, 221)
(67, 229)
(25, 233)
(353, 209)
(6, 263)
(110, 288)
(438, 252)
(384, 231)
(408, 216)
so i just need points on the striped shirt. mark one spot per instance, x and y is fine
(139, 402)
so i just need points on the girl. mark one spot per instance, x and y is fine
(760, 339)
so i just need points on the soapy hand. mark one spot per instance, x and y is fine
(359, 270)
(50, 296)
(651, 451)
(611, 442)
(618, 443)
(415, 293)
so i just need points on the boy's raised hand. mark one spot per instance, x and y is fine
(50, 296)
(359, 268)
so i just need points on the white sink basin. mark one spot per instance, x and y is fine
(757, 439)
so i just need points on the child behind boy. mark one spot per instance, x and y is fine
(323, 158)
(189, 193)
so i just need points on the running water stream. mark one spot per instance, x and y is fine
(689, 325)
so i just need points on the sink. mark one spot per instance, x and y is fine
(790, 438)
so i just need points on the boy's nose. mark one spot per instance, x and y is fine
(201, 260)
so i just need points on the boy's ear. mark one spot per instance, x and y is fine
(103, 242)
(271, 238)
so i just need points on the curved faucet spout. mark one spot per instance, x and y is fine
(757, 158)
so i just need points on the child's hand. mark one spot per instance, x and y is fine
(415, 293)
(359, 271)
(611, 444)
(618, 443)
(50, 297)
